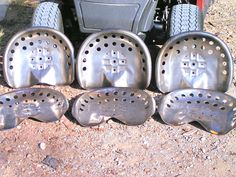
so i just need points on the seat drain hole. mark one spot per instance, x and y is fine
(217, 98)
(211, 42)
(200, 95)
(203, 47)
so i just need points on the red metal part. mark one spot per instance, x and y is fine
(200, 4)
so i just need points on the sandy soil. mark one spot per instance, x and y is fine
(64, 148)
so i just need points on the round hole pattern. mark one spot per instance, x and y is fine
(26, 42)
(215, 100)
(194, 46)
(113, 98)
(114, 51)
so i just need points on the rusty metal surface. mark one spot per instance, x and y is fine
(128, 105)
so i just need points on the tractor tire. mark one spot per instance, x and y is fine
(183, 18)
(48, 14)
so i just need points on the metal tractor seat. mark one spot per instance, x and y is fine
(128, 105)
(42, 104)
(114, 58)
(194, 60)
(215, 111)
(132, 15)
(39, 56)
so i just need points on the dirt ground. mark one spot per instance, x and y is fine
(64, 148)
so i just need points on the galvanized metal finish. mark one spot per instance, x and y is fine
(128, 105)
(194, 60)
(113, 58)
(42, 104)
(215, 111)
(39, 56)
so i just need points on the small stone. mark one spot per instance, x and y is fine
(8, 149)
(42, 146)
(203, 150)
(18, 127)
(203, 138)
(51, 162)
(28, 155)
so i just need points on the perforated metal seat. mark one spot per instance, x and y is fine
(215, 111)
(39, 56)
(130, 106)
(42, 104)
(113, 58)
(194, 60)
